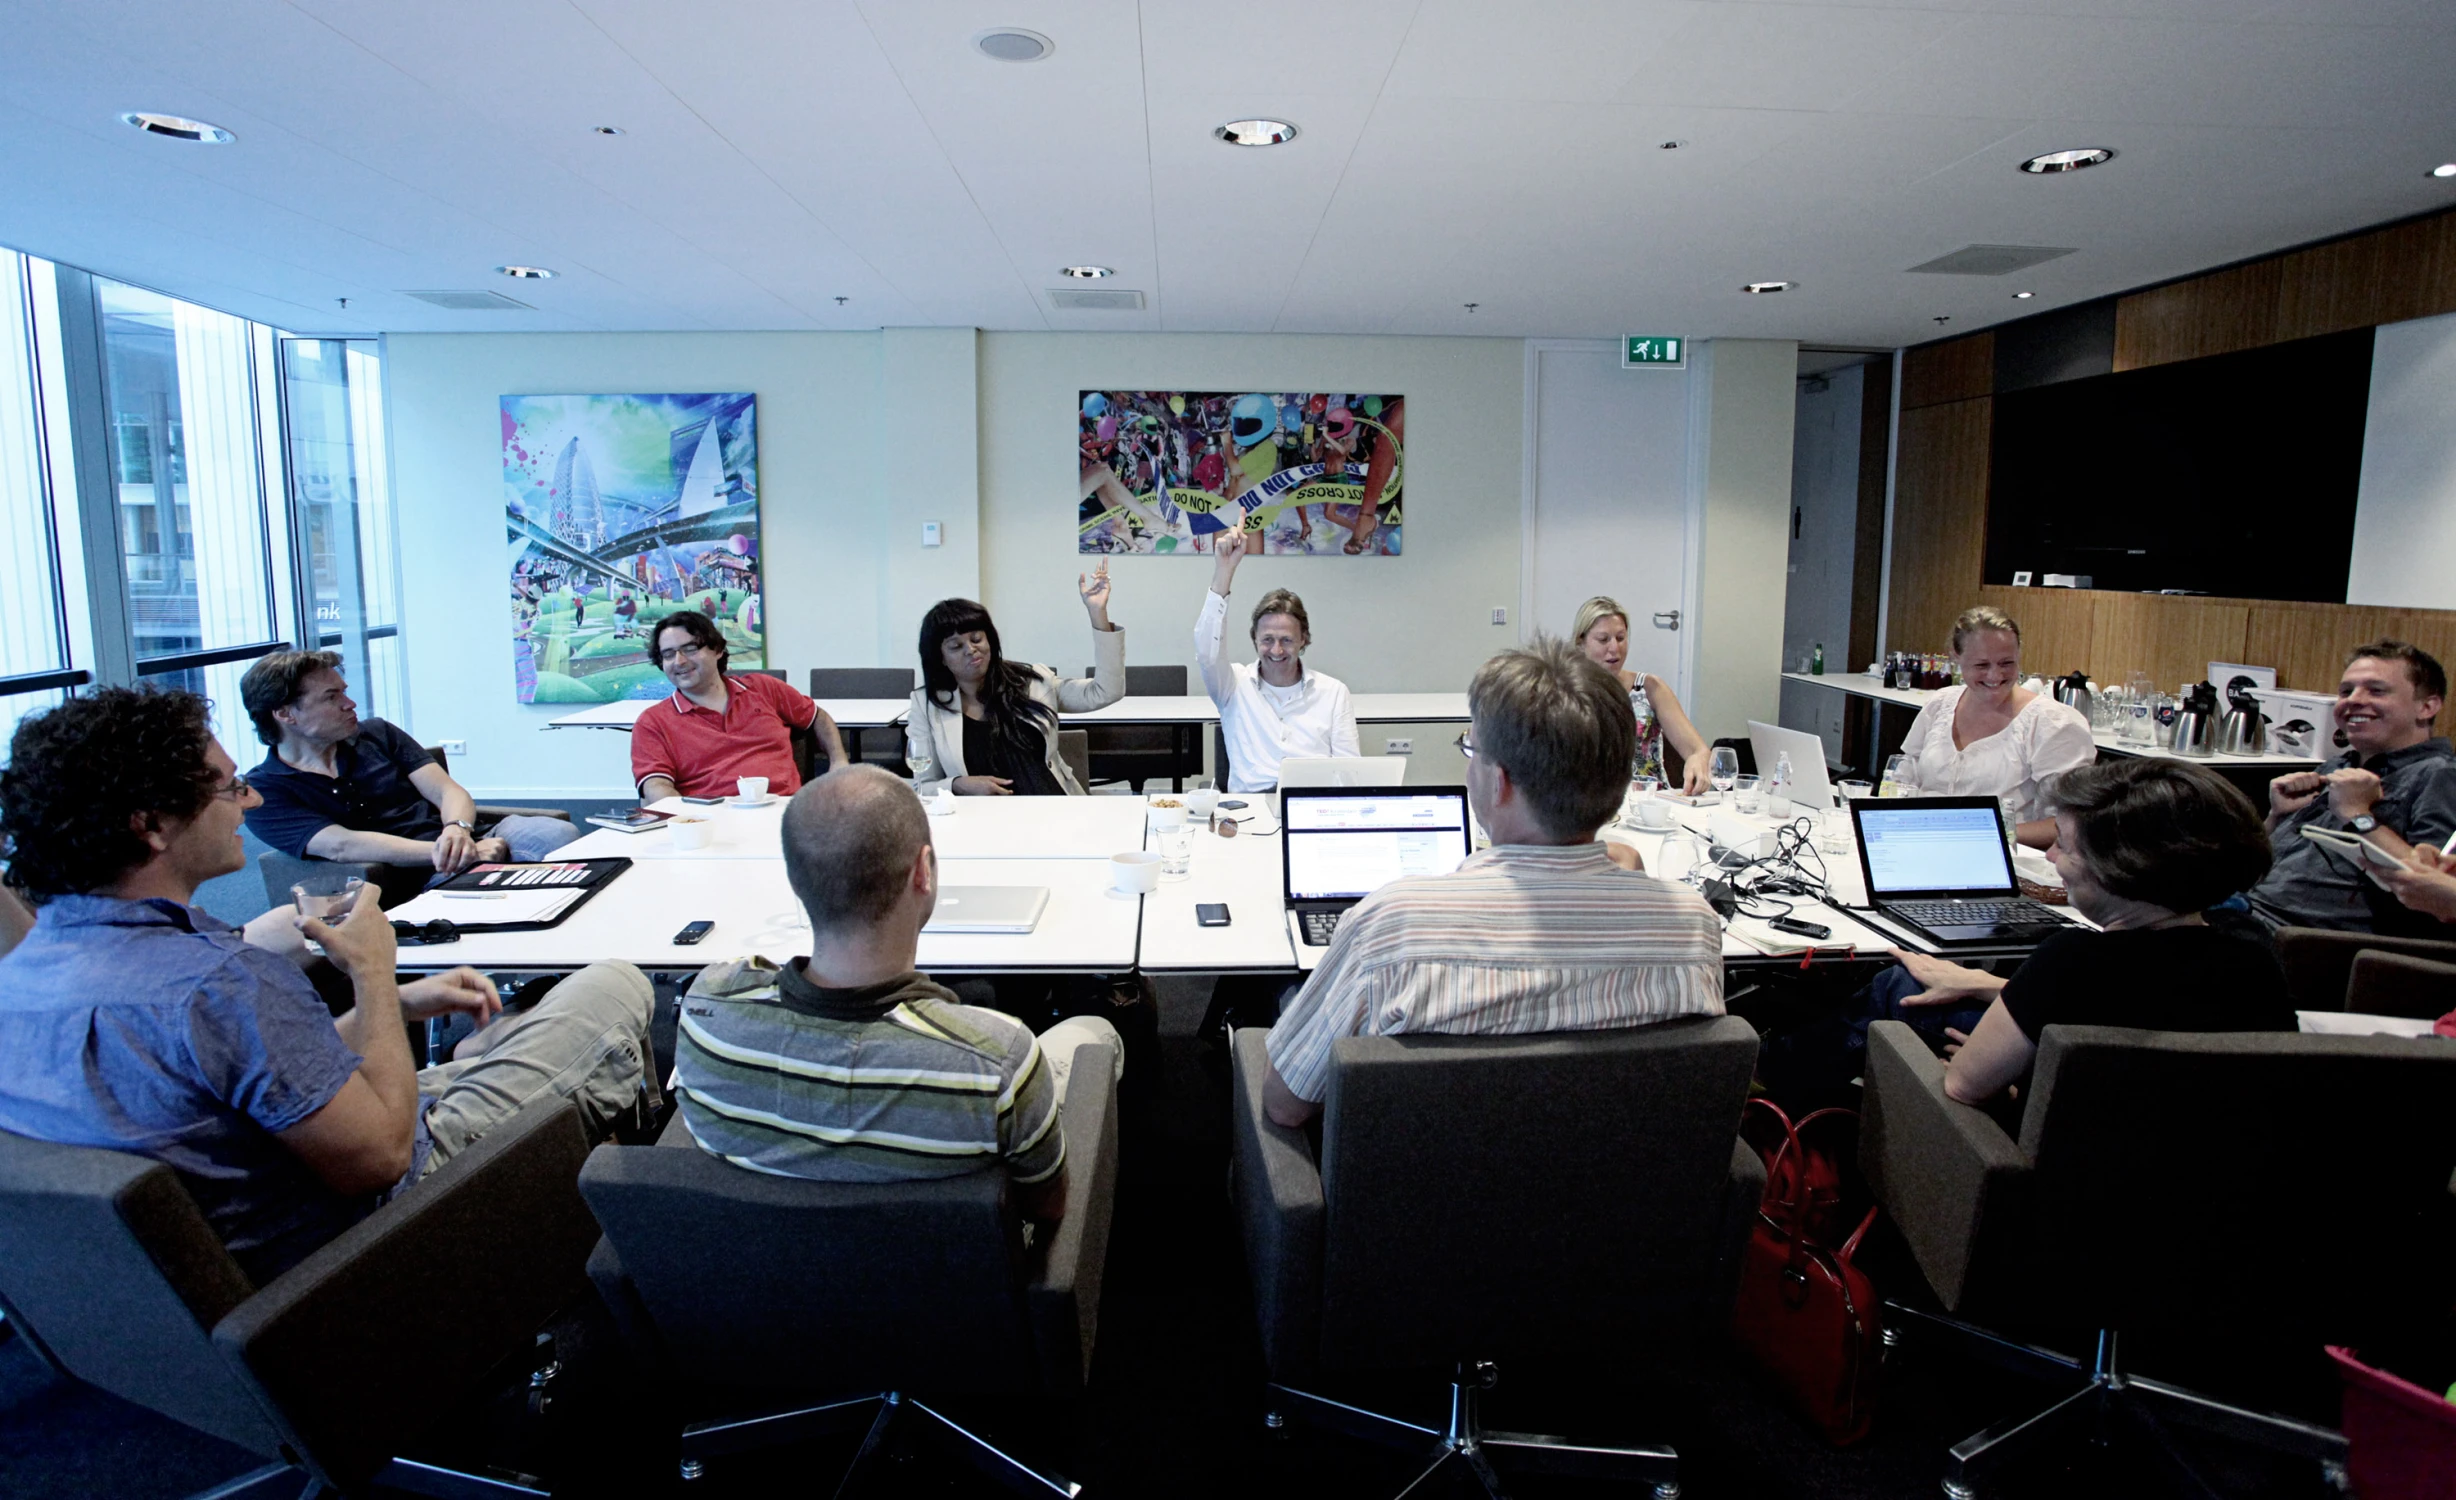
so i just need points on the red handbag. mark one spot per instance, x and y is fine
(1805, 1313)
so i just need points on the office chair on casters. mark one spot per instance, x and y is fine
(1585, 1197)
(2212, 1186)
(850, 1301)
(115, 1276)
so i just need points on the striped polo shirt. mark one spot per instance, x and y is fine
(886, 1083)
(1520, 938)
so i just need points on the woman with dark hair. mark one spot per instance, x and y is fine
(987, 726)
(2145, 847)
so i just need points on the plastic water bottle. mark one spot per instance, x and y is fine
(1778, 790)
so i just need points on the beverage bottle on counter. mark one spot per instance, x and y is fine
(1778, 790)
(1816, 660)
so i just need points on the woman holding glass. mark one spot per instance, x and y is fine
(1990, 736)
(1602, 632)
(986, 726)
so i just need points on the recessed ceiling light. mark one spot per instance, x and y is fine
(1013, 44)
(1669, 145)
(1085, 273)
(177, 127)
(607, 129)
(2023, 296)
(1766, 288)
(526, 273)
(2067, 161)
(2444, 169)
(1256, 132)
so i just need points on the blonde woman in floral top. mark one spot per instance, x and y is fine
(1602, 632)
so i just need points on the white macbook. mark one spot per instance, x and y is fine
(1338, 846)
(1810, 787)
(988, 908)
(1343, 770)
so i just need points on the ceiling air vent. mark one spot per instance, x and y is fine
(1079, 299)
(1991, 260)
(472, 301)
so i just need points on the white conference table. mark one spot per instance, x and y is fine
(983, 828)
(849, 713)
(1861, 685)
(1371, 708)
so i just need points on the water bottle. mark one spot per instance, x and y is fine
(1816, 660)
(1778, 790)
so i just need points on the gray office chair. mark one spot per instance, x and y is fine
(2208, 1186)
(2398, 984)
(2319, 963)
(1137, 753)
(1572, 1200)
(851, 1300)
(867, 682)
(396, 883)
(107, 1266)
(1074, 747)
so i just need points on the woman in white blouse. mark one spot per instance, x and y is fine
(1276, 707)
(1992, 737)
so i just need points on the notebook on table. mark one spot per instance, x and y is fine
(1939, 867)
(1339, 845)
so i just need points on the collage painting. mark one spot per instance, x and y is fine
(1304, 472)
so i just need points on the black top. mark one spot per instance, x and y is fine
(987, 753)
(2214, 978)
(369, 792)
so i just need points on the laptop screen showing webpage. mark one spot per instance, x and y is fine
(1345, 846)
(1907, 847)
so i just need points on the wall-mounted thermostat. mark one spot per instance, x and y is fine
(931, 534)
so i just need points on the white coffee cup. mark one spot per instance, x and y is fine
(1201, 802)
(693, 833)
(1653, 814)
(752, 788)
(1134, 873)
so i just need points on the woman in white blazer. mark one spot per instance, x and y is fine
(987, 725)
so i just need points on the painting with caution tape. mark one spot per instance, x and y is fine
(1315, 472)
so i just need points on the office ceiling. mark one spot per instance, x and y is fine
(779, 155)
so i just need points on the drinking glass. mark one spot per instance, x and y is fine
(1723, 767)
(1896, 782)
(1746, 789)
(919, 765)
(1680, 859)
(1176, 846)
(327, 897)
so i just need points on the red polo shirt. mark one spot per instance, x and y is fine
(704, 752)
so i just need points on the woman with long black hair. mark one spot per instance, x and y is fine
(987, 725)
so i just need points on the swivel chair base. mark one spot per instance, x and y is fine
(402, 1475)
(1465, 1443)
(2107, 1401)
(878, 1418)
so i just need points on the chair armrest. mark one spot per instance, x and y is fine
(490, 812)
(1953, 1181)
(2398, 984)
(2319, 962)
(1064, 1293)
(420, 1298)
(1742, 1196)
(1280, 1212)
(622, 1303)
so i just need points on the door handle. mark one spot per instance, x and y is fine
(1667, 619)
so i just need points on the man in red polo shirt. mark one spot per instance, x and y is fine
(715, 728)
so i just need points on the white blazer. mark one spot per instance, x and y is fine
(937, 731)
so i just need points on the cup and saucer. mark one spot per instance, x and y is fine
(750, 791)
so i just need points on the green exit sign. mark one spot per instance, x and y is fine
(1653, 351)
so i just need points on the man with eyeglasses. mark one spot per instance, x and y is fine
(336, 786)
(716, 729)
(132, 1021)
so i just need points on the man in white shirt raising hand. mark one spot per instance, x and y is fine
(1274, 708)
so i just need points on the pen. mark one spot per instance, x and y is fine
(471, 895)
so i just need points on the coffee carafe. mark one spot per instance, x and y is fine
(2195, 727)
(2074, 691)
(2244, 729)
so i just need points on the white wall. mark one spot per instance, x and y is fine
(1825, 495)
(2405, 516)
(1744, 539)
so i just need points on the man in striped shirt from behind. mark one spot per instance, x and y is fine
(851, 1065)
(1540, 932)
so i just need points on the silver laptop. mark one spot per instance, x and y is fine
(1343, 770)
(1810, 788)
(1339, 845)
(987, 908)
(1939, 866)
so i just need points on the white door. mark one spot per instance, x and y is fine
(1607, 497)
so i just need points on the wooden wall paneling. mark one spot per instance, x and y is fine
(2304, 642)
(1955, 370)
(2215, 314)
(1939, 521)
(2387, 276)
(2173, 639)
(2055, 626)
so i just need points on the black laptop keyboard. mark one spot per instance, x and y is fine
(1319, 925)
(2015, 913)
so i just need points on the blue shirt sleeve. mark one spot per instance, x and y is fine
(263, 1043)
(284, 819)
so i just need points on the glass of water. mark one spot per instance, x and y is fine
(1745, 788)
(327, 897)
(1680, 859)
(1897, 777)
(1723, 767)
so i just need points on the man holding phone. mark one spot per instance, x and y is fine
(2394, 787)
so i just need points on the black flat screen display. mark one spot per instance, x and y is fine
(2231, 475)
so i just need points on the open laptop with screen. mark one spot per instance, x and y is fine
(1810, 789)
(1338, 845)
(1938, 866)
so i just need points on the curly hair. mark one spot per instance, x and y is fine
(274, 682)
(80, 773)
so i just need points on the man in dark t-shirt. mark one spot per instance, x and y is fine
(336, 786)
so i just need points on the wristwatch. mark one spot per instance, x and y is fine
(464, 823)
(2362, 822)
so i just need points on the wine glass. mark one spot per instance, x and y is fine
(1678, 858)
(1723, 768)
(1896, 781)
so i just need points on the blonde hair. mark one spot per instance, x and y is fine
(1592, 613)
(1980, 617)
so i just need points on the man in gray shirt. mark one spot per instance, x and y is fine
(2395, 785)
